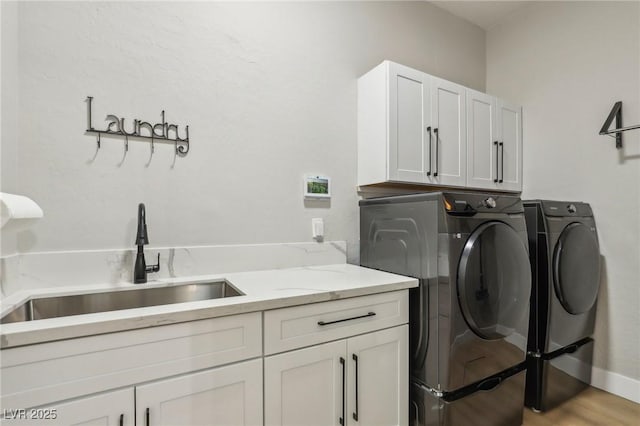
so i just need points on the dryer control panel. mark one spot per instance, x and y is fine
(566, 208)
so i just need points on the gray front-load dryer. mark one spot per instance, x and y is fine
(565, 264)
(469, 315)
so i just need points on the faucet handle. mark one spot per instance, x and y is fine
(156, 267)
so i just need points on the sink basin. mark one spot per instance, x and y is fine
(78, 304)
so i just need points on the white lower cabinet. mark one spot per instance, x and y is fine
(305, 387)
(206, 372)
(379, 379)
(222, 396)
(342, 362)
(361, 380)
(114, 408)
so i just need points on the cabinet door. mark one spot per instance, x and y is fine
(510, 134)
(114, 408)
(378, 378)
(230, 395)
(449, 127)
(409, 115)
(482, 142)
(306, 386)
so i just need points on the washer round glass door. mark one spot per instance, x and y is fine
(576, 268)
(494, 280)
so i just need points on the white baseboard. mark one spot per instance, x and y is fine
(616, 384)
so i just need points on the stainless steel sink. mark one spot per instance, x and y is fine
(78, 304)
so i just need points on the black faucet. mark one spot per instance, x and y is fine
(141, 268)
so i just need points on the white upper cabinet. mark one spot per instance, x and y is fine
(419, 129)
(409, 118)
(510, 136)
(494, 137)
(410, 128)
(482, 148)
(394, 120)
(449, 132)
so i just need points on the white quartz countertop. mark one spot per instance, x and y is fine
(263, 290)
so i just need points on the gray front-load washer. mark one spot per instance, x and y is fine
(468, 318)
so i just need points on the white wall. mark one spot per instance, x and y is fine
(567, 63)
(9, 108)
(269, 93)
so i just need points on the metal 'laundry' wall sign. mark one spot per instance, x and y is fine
(158, 132)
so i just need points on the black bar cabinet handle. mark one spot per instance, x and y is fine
(429, 130)
(502, 162)
(146, 417)
(355, 414)
(121, 419)
(437, 143)
(495, 143)
(369, 314)
(343, 362)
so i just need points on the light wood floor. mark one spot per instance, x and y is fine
(590, 407)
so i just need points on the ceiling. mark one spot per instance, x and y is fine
(485, 14)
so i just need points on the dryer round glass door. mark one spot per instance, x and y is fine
(494, 281)
(576, 268)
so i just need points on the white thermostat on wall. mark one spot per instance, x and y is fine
(317, 187)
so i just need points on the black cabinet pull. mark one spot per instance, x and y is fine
(121, 419)
(370, 314)
(342, 362)
(437, 143)
(502, 162)
(429, 130)
(355, 414)
(146, 417)
(495, 143)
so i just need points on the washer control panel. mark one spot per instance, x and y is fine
(468, 204)
(490, 203)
